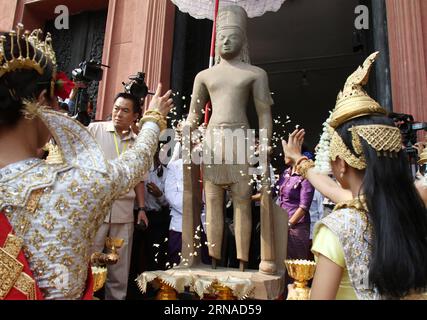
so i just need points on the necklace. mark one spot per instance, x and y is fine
(358, 203)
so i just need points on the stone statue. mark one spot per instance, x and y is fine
(228, 86)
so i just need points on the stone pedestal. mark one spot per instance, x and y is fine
(266, 287)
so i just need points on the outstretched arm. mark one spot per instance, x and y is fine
(128, 170)
(326, 186)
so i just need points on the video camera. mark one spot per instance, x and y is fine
(408, 128)
(137, 86)
(88, 71)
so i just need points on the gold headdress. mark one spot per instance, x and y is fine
(354, 102)
(26, 59)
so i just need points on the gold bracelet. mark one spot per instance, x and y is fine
(159, 120)
(303, 158)
(153, 112)
(304, 166)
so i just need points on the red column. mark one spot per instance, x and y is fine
(407, 29)
(139, 37)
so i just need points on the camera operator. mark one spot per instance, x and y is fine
(71, 100)
(115, 137)
(79, 102)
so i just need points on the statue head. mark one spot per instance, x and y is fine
(231, 38)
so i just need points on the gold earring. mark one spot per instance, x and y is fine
(31, 110)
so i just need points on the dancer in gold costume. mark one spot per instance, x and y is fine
(50, 210)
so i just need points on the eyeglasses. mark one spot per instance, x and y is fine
(423, 169)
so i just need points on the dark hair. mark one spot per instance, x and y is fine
(135, 101)
(21, 84)
(398, 216)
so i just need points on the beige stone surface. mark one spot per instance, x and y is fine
(266, 287)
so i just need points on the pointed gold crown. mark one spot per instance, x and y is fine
(353, 101)
(232, 17)
(26, 59)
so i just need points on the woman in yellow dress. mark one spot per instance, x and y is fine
(373, 245)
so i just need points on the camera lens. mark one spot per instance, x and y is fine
(423, 169)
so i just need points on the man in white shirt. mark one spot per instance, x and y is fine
(174, 188)
(157, 210)
(115, 137)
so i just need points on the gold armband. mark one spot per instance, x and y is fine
(154, 116)
(304, 166)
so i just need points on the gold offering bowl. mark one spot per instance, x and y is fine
(301, 271)
(223, 292)
(99, 277)
(166, 292)
(114, 243)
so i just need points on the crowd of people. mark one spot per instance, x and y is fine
(108, 181)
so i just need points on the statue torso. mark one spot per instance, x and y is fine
(229, 88)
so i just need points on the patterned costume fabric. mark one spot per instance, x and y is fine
(355, 235)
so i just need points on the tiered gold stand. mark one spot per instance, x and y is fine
(302, 271)
(166, 292)
(223, 292)
(99, 277)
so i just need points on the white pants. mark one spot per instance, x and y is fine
(118, 274)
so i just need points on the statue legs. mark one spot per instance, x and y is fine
(214, 195)
(241, 194)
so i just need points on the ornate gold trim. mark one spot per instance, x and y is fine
(11, 270)
(339, 149)
(13, 245)
(33, 200)
(358, 203)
